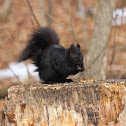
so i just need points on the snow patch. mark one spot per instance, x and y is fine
(20, 70)
(119, 16)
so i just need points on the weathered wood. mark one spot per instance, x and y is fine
(84, 103)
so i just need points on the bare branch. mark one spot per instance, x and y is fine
(29, 75)
(49, 12)
(12, 70)
(43, 23)
(62, 25)
(71, 22)
(10, 39)
(32, 12)
(82, 9)
(14, 74)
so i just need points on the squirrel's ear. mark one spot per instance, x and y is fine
(71, 48)
(78, 46)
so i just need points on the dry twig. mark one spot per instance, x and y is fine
(71, 22)
(42, 12)
(32, 12)
(14, 74)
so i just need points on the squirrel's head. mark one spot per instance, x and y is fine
(76, 57)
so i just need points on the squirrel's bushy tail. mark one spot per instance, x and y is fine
(40, 39)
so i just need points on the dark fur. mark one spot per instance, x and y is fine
(54, 62)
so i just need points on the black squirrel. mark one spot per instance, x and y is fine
(54, 62)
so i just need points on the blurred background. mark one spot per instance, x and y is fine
(98, 26)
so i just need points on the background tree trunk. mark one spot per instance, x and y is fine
(84, 103)
(42, 7)
(5, 10)
(50, 12)
(96, 51)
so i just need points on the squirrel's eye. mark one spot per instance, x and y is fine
(75, 57)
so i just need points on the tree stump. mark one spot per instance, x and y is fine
(80, 103)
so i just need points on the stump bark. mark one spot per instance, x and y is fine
(82, 103)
